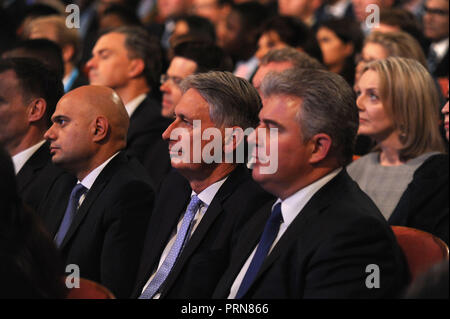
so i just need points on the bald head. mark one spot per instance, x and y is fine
(100, 101)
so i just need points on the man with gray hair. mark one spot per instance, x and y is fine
(128, 60)
(323, 237)
(202, 204)
(282, 59)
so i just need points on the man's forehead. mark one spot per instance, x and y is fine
(192, 102)
(112, 40)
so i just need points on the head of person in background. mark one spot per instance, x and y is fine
(35, 11)
(54, 28)
(445, 112)
(397, 101)
(436, 20)
(380, 45)
(240, 36)
(190, 58)
(44, 50)
(103, 5)
(29, 92)
(396, 19)
(283, 59)
(116, 16)
(169, 9)
(128, 60)
(340, 40)
(213, 10)
(301, 9)
(194, 27)
(283, 31)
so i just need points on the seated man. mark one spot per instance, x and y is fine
(202, 203)
(29, 92)
(323, 237)
(100, 227)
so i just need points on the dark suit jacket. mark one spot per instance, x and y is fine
(145, 141)
(206, 254)
(441, 70)
(37, 176)
(424, 204)
(325, 251)
(106, 236)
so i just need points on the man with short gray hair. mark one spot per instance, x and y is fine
(202, 204)
(322, 234)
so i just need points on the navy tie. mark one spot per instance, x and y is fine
(71, 209)
(270, 233)
(164, 271)
(432, 61)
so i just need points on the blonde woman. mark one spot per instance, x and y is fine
(407, 174)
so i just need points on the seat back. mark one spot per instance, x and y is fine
(421, 249)
(89, 290)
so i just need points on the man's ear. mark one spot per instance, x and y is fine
(67, 52)
(136, 68)
(233, 140)
(321, 145)
(100, 129)
(37, 109)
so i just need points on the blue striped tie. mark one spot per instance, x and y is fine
(164, 271)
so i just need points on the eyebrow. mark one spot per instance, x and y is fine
(271, 122)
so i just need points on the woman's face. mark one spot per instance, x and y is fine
(334, 50)
(269, 40)
(373, 119)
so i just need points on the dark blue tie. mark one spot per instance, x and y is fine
(270, 233)
(71, 209)
(432, 61)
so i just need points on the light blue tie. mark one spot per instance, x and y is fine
(168, 263)
(71, 209)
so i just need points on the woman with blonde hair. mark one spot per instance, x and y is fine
(407, 173)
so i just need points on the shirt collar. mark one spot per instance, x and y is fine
(207, 195)
(134, 103)
(294, 204)
(21, 158)
(89, 180)
(440, 48)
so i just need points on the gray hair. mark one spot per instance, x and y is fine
(328, 106)
(232, 101)
(299, 59)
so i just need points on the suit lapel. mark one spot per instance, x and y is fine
(96, 189)
(38, 160)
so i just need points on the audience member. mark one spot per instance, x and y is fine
(54, 28)
(304, 10)
(29, 92)
(116, 16)
(334, 9)
(101, 226)
(128, 60)
(283, 59)
(436, 29)
(445, 113)
(239, 39)
(189, 58)
(323, 231)
(44, 50)
(340, 41)
(282, 31)
(30, 265)
(214, 10)
(221, 194)
(406, 176)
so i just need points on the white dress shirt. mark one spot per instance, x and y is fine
(291, 207)
(206, 196)
(440, 48)
(134, 103)
(21, 158)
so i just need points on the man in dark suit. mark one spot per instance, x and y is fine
(100, 227)
(323, 237)
(436, 29)
(128, 60)
(187, 247)
(28, 95)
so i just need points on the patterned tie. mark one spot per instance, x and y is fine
(71, 209)
(166, 267)
(270, 233)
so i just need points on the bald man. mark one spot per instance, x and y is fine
(99, 223)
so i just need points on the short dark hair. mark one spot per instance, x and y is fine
(140, 44)
(199, 27)
(44, 50)
(36, 80)
(328, 106)
(126, 14)
(209, 57)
